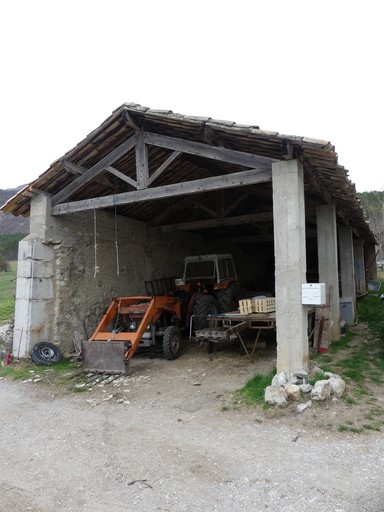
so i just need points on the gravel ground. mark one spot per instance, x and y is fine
(169, 437)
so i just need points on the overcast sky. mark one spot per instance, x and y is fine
(297, 67)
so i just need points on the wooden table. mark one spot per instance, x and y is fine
(229, 326)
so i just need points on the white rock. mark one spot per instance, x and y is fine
(337, 386)
(330, 374)
(302, 407)
(293, 392)
(316, 371)
(305, 388)
(275, 395)
(301, 374)
(281, 379)
(321, 390)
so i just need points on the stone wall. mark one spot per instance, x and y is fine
(63, 291)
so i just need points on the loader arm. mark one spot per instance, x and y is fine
(106, 339)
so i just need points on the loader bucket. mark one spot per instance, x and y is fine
(104, 356)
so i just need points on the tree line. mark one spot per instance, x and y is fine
(373, 206)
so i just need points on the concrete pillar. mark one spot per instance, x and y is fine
(290, 265)
(347, 275)
(34, 289)
(328, 265)
(358, 251)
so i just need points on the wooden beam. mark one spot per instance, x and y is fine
(213, 223)
(95, 170)
(312, 178)
(215, 153)
(171, 211)
(142, 173)
(129, 121)
(239, 179)
(220, 203)
(122, 176)
(79, 170)
(205, 209)
(236, 203)
(163, 167)
(255, 239)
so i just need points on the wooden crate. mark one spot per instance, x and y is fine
(264, 305)
(245, 306)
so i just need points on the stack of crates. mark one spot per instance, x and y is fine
(257, 305)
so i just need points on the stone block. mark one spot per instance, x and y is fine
(293, 392)
(321, 390)
(337, 386)
(30, 268)
(274, 395)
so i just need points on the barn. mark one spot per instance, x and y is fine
(148, 188)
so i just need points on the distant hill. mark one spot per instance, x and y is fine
(10, 223)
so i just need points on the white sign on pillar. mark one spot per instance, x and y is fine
(313, 294)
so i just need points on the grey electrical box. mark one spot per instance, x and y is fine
(313, 294)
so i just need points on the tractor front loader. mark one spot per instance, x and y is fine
(129, 323)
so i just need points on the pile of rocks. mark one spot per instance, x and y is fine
(295, 388)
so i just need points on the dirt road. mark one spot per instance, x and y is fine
(165, 440)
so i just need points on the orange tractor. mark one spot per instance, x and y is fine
(209, 286)
(128, 323)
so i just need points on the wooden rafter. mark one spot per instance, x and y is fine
(215, 153)
(94, 171)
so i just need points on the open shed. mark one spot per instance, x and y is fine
(148, 188)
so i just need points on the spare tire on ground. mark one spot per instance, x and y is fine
(46, 353)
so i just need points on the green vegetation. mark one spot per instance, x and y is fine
(253, 391)
(373, 206)
(9, 244)
(358, 358)
(7, 293)
(25, 370)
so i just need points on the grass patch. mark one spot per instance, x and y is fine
(7, 293)
(25, 370)
(349, 400)
(371, 310)
(342, 343)
(253, 391)
(372, 426)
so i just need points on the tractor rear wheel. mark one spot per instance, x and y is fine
(228, 299)
(171, 342)
(204, 305)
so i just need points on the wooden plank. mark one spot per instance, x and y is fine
(213, 223)
(212, 152)
(96, 169)
(240, 179)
